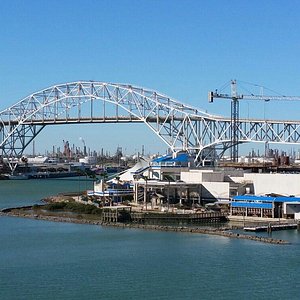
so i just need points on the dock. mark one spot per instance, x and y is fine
(271, 227)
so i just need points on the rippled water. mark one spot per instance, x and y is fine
(47, 260)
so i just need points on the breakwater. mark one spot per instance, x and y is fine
(183, 229)
(32, 215)
(211, 231)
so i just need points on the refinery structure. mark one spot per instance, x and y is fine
(195, 174)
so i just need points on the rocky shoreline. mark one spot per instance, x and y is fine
(63, 219)
(210, 231)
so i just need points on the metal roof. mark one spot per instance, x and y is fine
(267, 199)
(162, 158)
(251, 204)
(181, 157)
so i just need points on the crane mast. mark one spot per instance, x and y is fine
(234, 132)
(235, 97)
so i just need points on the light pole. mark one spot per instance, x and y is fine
(145, 191)
(168, 193)
(78, 187)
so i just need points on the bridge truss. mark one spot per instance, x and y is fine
(180, 126)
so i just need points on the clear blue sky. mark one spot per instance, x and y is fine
(180, 48)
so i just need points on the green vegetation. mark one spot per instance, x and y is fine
(36, 206)
(55, 206)
(74, 207)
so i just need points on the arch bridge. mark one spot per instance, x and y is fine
(179, 126)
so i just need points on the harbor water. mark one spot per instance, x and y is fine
(49, 260)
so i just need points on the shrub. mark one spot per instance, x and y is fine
(55, 206)
(74, 207)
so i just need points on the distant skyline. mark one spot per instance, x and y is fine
(180, 48)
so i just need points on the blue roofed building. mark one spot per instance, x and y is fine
(170, 165)
(265, 206)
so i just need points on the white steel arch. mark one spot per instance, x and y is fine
(180, 126)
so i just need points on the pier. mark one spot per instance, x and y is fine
(124, 213)
(271, 227)
(114, 214)
(196, 218)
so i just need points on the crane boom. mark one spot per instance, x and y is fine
(212, 95)
(269, 98)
